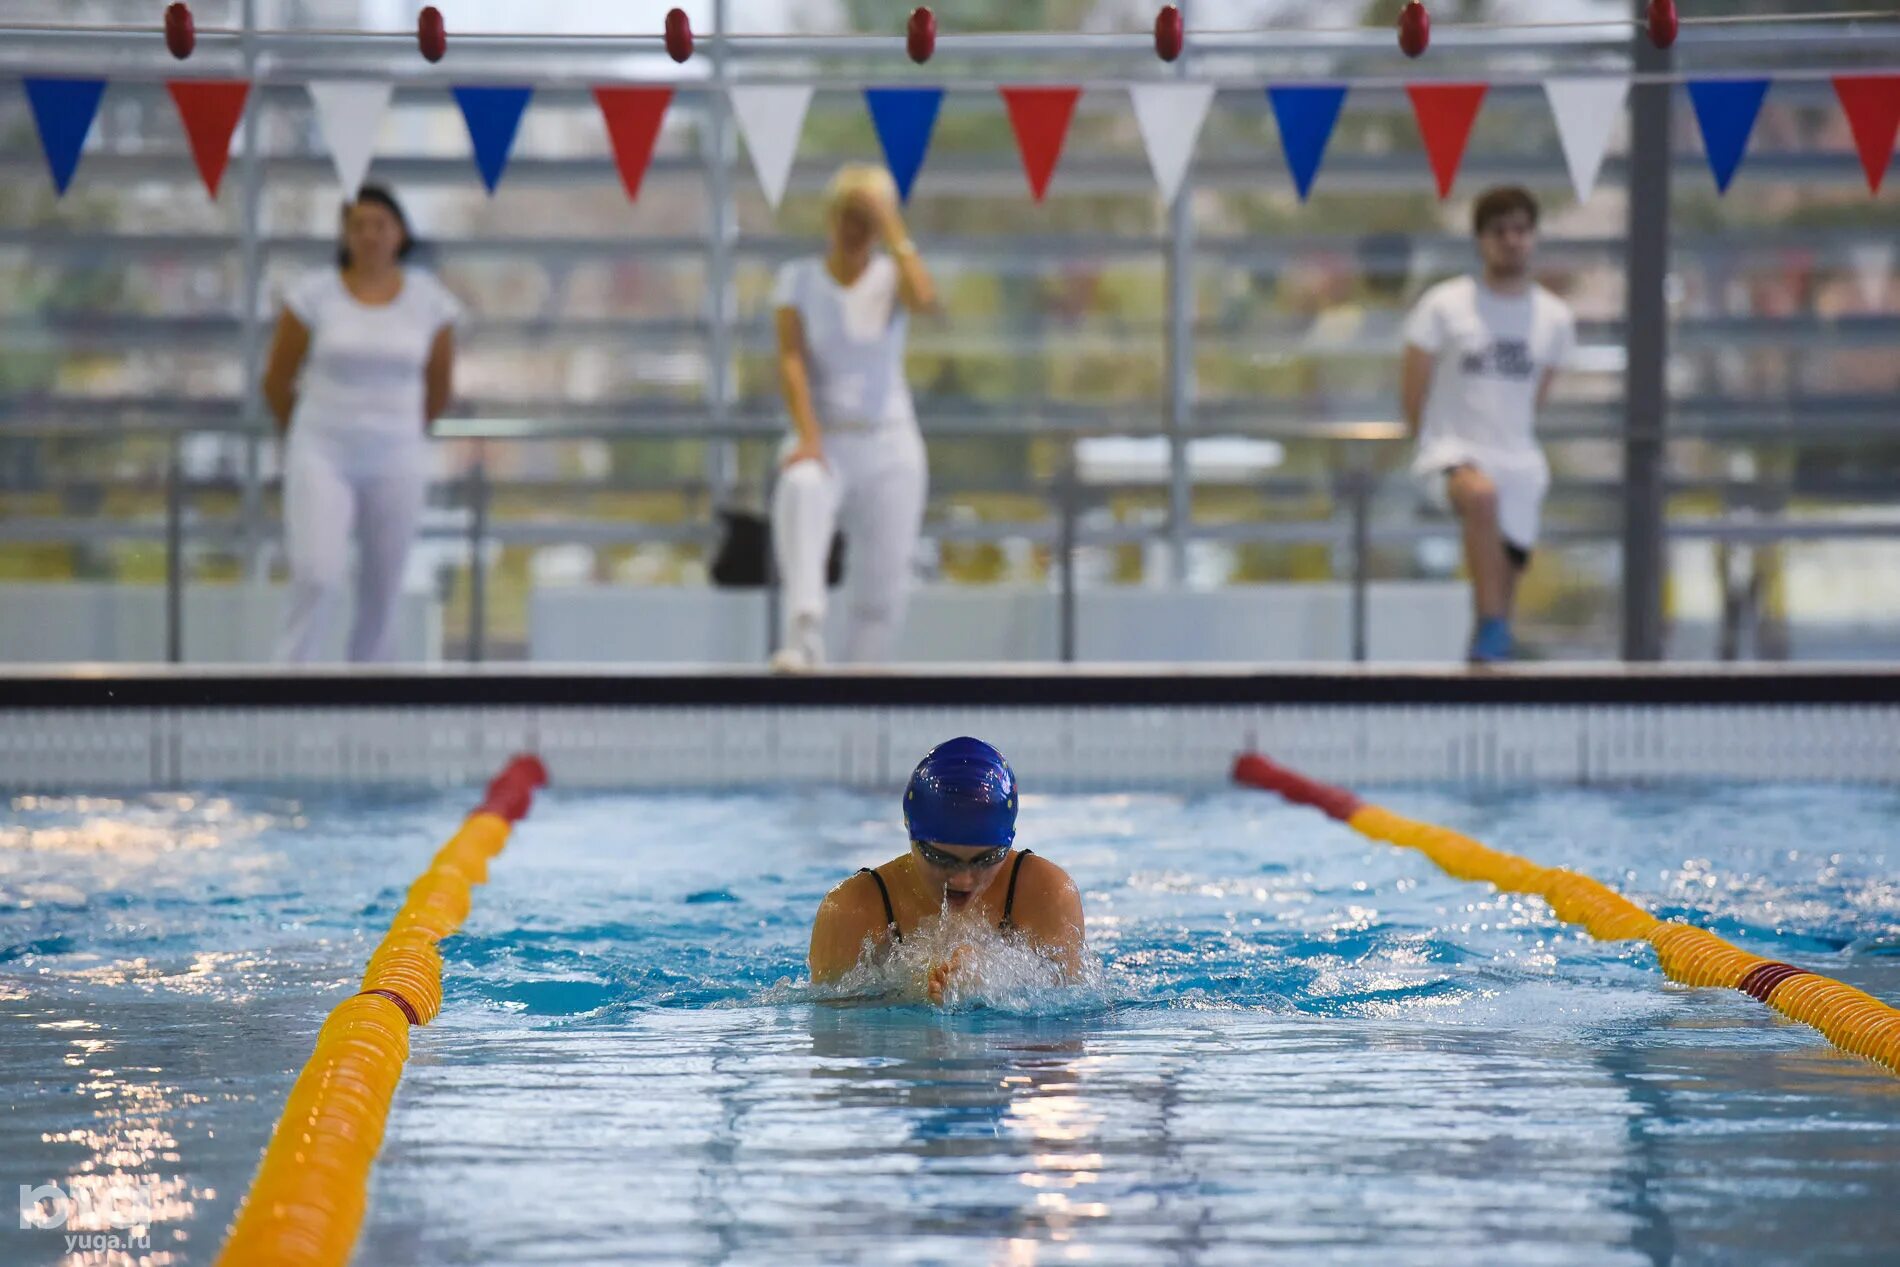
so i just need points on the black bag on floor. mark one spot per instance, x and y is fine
(745, 549)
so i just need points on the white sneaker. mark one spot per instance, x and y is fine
(790, 660)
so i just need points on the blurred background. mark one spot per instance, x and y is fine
(1155, 433)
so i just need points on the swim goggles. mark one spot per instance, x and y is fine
(954, 862)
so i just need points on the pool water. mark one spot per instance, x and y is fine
(1295, 1045)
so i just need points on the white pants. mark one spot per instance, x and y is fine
(871, 485)
(332, 483)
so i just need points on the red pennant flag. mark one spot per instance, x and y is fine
(1872, 103)
(1445, 114)
(210, 109)
(633, 124)
(1040, 117)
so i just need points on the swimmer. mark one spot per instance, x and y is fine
(962, 869)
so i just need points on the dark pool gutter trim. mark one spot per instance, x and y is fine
(1036, 686)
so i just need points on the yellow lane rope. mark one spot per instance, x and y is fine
(307, 1201)
(1851, 1019)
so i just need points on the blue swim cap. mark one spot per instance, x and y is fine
(962, 793)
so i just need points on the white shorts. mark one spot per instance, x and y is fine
(1521, 488)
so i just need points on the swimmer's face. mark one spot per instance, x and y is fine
(373, 235)
(1506, 244)
(961, 885)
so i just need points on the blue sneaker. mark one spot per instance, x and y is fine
(1492, 643)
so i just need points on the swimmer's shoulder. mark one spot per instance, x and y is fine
(856, 902)
(1042, 883)
(851, 912)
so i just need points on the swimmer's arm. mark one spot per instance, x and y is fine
(794, 380)
(844, 920)
(1049, 913)
(1415, 384)
(288, 346)
(440, 376)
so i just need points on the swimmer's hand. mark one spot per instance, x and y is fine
(944, 972)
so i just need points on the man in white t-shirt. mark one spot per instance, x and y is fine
(1480, 354)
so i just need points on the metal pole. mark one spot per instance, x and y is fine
(1180, 359)
(251, 266)
(1645, 523)
(174, 554)
(1359, 487)
(477, 568)
(723, 229)
(1067, 491)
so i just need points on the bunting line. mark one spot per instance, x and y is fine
(1170, 117)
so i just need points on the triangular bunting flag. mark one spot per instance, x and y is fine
(1306, 117)
(1040, 118)
(1872, 103)
(1586, 111)
(633, 119)
(210, 109)
(492, 115)
(1726, 110)
(771, 117)
(1873, 270)
(904, 119)
(63, 109)
(349, 115)
(1445, 114)
(1169, 118)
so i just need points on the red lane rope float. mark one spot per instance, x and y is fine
(308, 1198)
(1170, 33)
(1415, 29)
(1851, 1019)
(920, 35)
(679, 35)
(181, 33)
(432, 34)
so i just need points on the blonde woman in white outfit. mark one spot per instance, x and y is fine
(855, 458)
(361, 365)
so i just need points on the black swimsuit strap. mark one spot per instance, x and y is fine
(1009, 898)
(890, 915)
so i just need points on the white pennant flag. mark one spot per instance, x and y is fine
(770, 119)
(1586, 111)
(1170, 117)
(1873, 269)
(349, 114)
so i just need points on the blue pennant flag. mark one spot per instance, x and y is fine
(492, 115)
(1726, 110)
(904, 118)
(1306, 117)
(64, 110)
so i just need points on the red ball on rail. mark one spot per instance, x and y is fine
(181, 34)
(679, 35)
(1663, 23)
(432, 34)
(1170, 33)
(920, 36)
(1415, 29)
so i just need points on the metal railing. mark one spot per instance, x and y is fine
(1759, 517)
